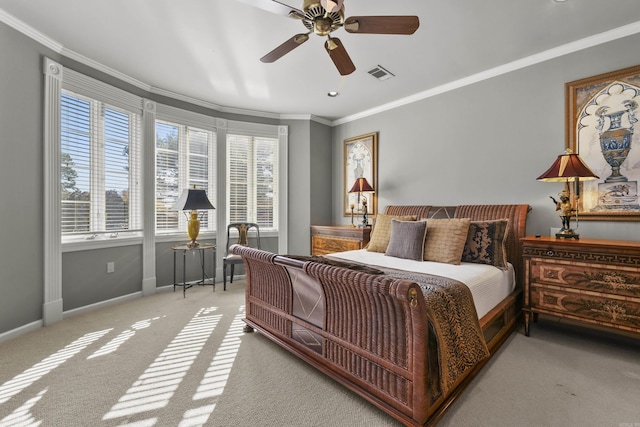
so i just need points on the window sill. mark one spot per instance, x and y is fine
(182, 237)
(83, 245)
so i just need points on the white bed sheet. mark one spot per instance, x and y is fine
(488, 284)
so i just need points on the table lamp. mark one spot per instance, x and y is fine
(193, 200)
(567, 167)
(362, 185)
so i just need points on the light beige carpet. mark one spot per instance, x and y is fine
(166, 360)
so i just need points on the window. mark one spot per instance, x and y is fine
(99, 156)
(252, 180)
(185, 157)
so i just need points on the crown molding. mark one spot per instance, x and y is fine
(29, 31)
(576, 46)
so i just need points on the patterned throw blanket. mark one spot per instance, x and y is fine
(450, 306)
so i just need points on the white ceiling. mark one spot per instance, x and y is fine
(209, 50)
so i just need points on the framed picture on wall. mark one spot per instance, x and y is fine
(360, 160)
(602, 115)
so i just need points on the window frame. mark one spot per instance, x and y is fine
(251, 173)
(98, 158)
(94, 91)
(187, 119)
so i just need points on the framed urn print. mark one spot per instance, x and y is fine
(602, 114)
(360, 161)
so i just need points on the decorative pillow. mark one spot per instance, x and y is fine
(445, 239)
(381, 232)
(487, 243)
(407, 239)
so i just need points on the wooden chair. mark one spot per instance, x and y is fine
(243, 229)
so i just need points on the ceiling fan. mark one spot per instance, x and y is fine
(323, 17)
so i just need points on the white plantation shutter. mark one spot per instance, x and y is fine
(252, 180)
(100, 155)
(185, 157)
(167, 184)
(238, 166)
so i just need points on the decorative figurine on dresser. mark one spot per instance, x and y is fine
(593, 281)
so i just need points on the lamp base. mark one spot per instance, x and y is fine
(567, 234)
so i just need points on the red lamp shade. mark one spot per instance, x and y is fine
(567, 166)
(361, 185)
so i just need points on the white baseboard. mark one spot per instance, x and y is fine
(101, 304)
(25, 329)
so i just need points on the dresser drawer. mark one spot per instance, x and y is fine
(326, 244)
(608, 310)
(618, 280)
(326, 239)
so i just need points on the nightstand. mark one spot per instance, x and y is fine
(593, 281)
(326, 239)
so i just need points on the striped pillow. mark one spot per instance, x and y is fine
(407, 239)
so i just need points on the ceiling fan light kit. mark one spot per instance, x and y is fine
(326, 16)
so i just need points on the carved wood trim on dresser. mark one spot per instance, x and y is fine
(594, 281)
(326, 239)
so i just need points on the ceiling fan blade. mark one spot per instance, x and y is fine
(285, 48)
(340, 57)
(382, 24)
(293, 12)
(276, 7)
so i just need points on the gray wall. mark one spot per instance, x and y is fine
(310, 156)
(321, 176)
(487, 142)
(85, 279)
(21, 179)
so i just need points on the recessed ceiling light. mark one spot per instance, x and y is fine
(332, 94)
(559, 1)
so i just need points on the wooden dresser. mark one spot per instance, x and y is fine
(326, 239)
(588, 280)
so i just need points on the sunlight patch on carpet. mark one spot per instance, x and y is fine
(33, 374)
(122, 337)
(22, 415)
(215, 379)
(156, 386)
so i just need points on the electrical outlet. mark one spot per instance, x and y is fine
(111, 267)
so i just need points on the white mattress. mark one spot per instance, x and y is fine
(489, 285)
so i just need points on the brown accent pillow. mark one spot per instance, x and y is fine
(407, 239)
(381, 232)
(487, 243)
(445, 239)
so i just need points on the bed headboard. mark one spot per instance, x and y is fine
(517, 215)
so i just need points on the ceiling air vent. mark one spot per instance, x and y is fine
(380, 73)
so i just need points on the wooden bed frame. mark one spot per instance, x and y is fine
(371, 332)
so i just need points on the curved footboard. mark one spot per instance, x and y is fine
(369, 332)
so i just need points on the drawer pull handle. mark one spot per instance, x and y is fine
(549, 253)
